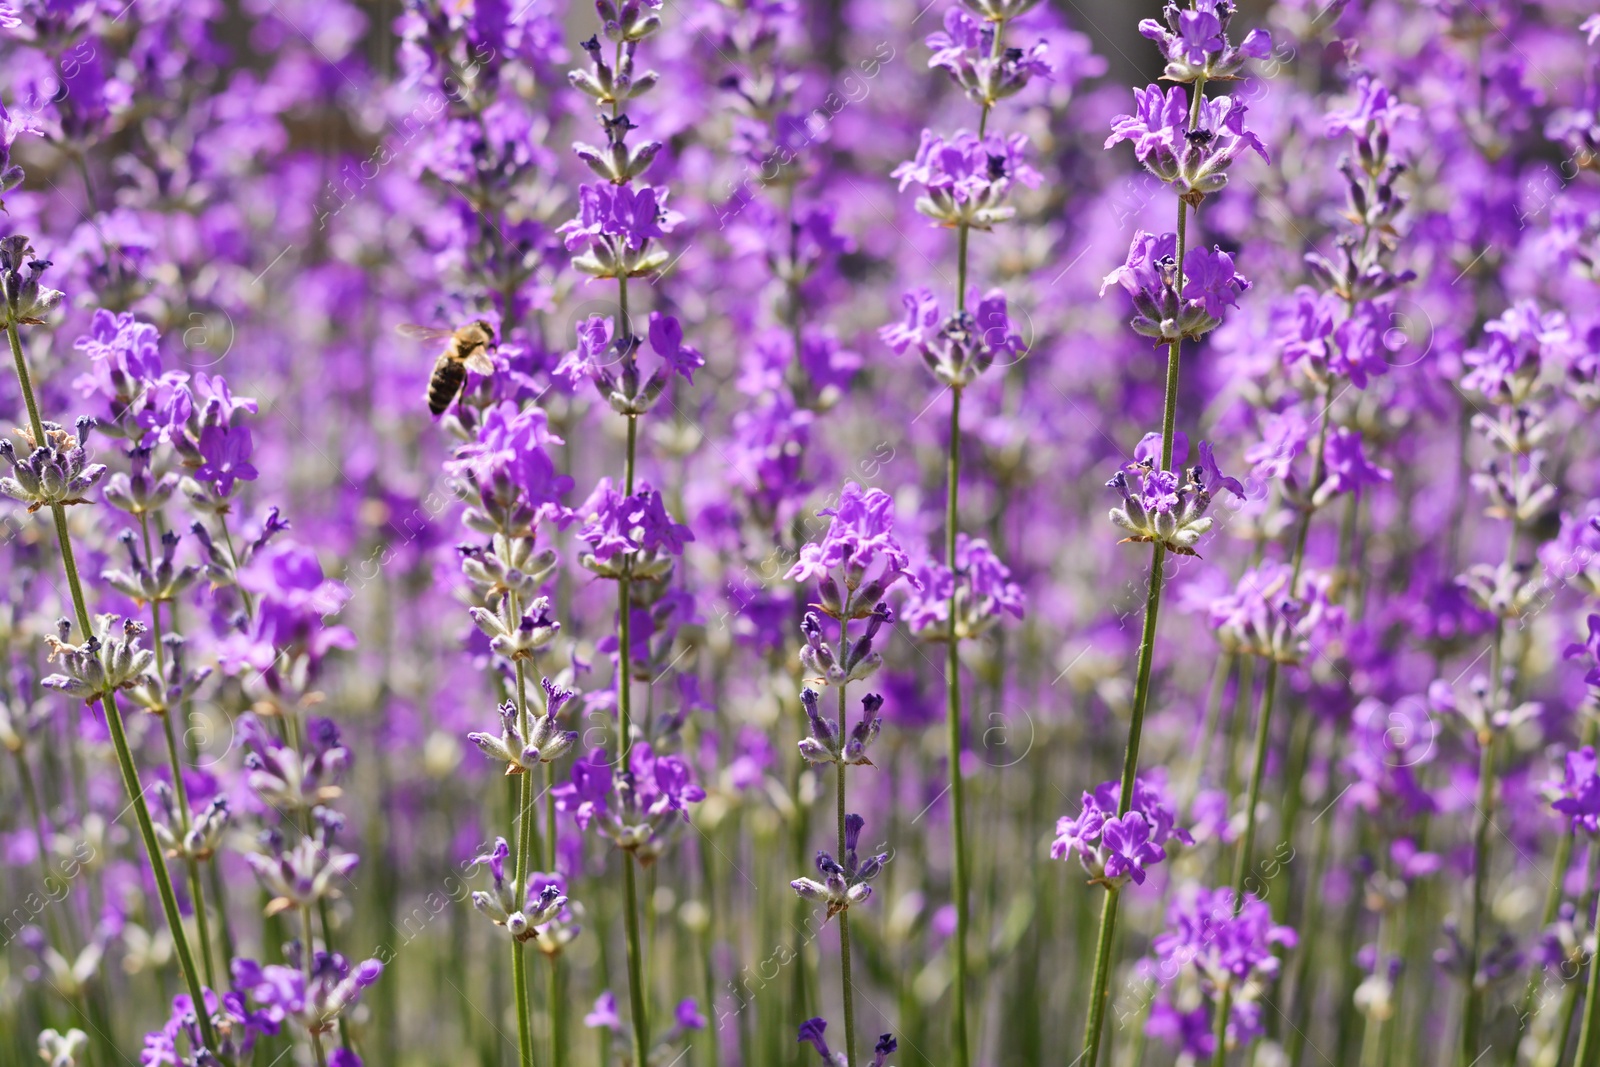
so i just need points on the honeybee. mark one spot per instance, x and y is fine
(468, 349)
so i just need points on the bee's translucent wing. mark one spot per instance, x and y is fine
(422, 333)
(480, 363)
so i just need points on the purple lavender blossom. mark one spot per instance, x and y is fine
(1195, 44)
(961, 347)
(638, 524)
(859, 542)
(982, 587)
(1195, 161)
(1149, 276)
(1228, 948)
(812, 1031)
(965, 178)
(1158, 506)
(1118, 848)
(1348, 468)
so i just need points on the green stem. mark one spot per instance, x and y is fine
(1269, 689)
(519, 982)
(1147, 647)
(1589, 1035)
(233, 560)
(636, 996)
(1372, 1029)
(848, 990)
(1102, 974)
(179, 787)
(1552, 905)
(558, 1033)
(1472, 1013)
(844, 917)
(641, 1026)
(306, 953)
(519, 962)
(958, 834)
(119, 738)
(1219, 1027)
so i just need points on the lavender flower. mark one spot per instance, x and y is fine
(843, 884)
(1195, 42)
(540, 903)
(812, 1031)
(179, 1041)
(146, 585)
(636, 807)
(290, 779)
(1157, 507)
(1114, 848)
(307, 872)
(522, 638)
(1264, 617)
(614, 230)
(1194, 161)
(966, 178)
(1231, 951)
(962, 346)
(62, 1050)
(108, 660)
(823, 743)
(315, 1002)
(56, 472)
(635, 527)
(860, 543)
(27, 301)
(964, 49)
(1149, 276)
(1577, 795)
(545, 742)
(982, 588)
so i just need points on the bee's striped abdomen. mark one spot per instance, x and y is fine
(445, 383)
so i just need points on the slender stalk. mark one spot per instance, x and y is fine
(1269, 691)
(1102, 972)
(519, 962)
(1147, 648)
(641, 1026)
(558, 1018)
(306, 953)
(1589, 1035)
(958, 833)
(119, 738)
(1372, 1030)
(179, 787)
(636, 996)
(519, 982)
(844, 917)
(960, 863)
(1569, 1008)
(1472, 1013)
(1552, 905)
(233, 560)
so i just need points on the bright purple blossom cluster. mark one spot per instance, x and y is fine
(1118, 847)
(1150, 276)
(1230, 948)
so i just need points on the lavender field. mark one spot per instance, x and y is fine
(779, 533)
